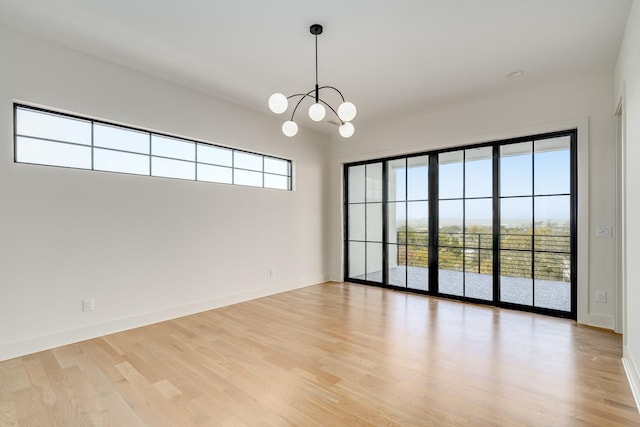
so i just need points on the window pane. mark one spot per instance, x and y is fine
(515, 170)
(418, 223)
(357, 222)
(552, 166)
(374, 222)
(478, 285)
(276, 181)
(356, 184)
(450, 272)
(247, 161)
(374, 182)
(418, 267)
(397, 177)
(174, 148)
(116, 161)
(516, 285)
(214, 174)
(478, 223)
(173, 168)
(516, 223)
(374, 262)
(553, 294)
(397, 220)
(51, 126)
(450, 174)
(397, 265)
(357, 268)
(418, 178)
(215, 155)
(478, 172)
(52, 153)
(277, 166)
(120, 138)
(450, 219)
(242, 177)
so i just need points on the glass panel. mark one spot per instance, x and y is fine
(450, 276)
(276, 166)
(51, 126)
(397, 220)
(276, 181)
(552, 165)
(357, 222)
(121, 139)
(418, 267)
(52, 153)
(374, 182)
(478, 276)
(173, 168)
(418, 178)
(479, 223)
(356, 184)
(214, 174)
(397, 177)
(116, 161)
(418, 223)
(215, 155)
(450, 172)
(357, 260)
(397, 256)
(478, 173)
(374, 222)
(374, 262)
(552, 284)
(516, 223)
(516, 285)
(552, 223)
(173, 148)
(247, 161)
(450, 231)
(242, 177)
(515, 169)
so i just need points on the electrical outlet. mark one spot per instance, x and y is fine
(88, 304)
(601, 296)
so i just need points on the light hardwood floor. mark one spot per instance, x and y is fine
(333, 354)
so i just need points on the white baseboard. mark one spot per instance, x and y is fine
(633, 375)
(31, 345)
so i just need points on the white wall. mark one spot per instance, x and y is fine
(627, 90)
(147, 249)
(582, 102)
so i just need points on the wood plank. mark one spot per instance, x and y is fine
(330, 354)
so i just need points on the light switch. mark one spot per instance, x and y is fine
(603, 231)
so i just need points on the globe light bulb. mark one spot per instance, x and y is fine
(317, 112)
(346, 129)
(278, 103)
(290, 128)
(347, 111)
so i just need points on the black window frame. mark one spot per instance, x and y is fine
(150, 155)
(433, 222)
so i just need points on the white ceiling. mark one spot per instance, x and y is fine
(387, 57)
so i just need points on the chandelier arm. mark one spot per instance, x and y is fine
(302, 96)
(331, 87)
(334, 111)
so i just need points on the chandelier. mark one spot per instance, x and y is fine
(278, 103)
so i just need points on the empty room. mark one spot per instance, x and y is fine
(319, 214)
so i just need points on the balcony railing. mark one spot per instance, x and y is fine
(473, 252)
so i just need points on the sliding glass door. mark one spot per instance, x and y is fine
(491, 223)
